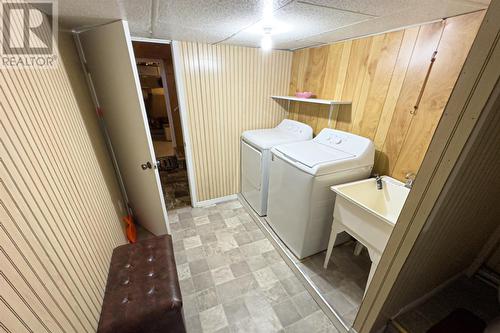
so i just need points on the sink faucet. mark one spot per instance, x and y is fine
(378, 179)
(410, 179)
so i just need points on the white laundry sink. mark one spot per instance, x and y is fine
(367, 214)
(385, 204)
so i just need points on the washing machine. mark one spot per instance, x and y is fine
(255, 158)
(300, 203)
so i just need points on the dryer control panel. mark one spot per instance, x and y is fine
(293, 126)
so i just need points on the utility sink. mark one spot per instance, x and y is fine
(367, 214)
(385, 204)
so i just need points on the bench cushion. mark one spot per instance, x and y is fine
(142, 291)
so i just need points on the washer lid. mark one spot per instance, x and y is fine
(286, 132)
(312, 154)
(268, 138)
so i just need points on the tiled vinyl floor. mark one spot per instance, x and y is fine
(233, 280)
(343, 283)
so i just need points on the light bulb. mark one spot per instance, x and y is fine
(266, 43)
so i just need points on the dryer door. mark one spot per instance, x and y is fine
(251, 175)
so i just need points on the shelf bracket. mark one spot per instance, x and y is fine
(330, 114)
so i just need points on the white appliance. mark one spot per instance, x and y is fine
(300, 205)
(256, 156)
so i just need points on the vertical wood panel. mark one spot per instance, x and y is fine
(426, 43)
(59, 210)
(453, 49)
(383, 75)
(228, 91)
(397, 78)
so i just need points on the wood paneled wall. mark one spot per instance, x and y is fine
(58, 220)
(383, 76)
(227, 91)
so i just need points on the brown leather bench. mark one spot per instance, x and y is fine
(142, 291)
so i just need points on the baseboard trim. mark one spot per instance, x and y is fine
(215, 201)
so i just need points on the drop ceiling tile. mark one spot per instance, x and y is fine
(283, 45)
(298, 44)
(369, 7)
(75, 13)
(308, 22)
(412, 16)
(388, 7)
(298, 21)
(222, 17)
(138, 14)
(175, 32)
(89, 9)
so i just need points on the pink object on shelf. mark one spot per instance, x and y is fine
(304, 94)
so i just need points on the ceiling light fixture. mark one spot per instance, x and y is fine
(266, 42)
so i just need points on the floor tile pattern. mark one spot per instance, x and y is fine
(343, 283)
(233, 280)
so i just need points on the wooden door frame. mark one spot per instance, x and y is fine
(181, 98)
(479, 75)
(179, 84)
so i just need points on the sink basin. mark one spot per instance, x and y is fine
(385, 204)
(367, 214)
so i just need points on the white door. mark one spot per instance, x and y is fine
(107, 51)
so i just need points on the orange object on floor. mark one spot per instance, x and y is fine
(130, 229)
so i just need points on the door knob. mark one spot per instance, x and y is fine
(147, 165)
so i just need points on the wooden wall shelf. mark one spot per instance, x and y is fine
(311, 100)
(331, 103)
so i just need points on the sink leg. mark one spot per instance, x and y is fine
(333, 236)
(375, 258)
(358, 248)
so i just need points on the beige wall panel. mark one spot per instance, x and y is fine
(60, 206)
(465, 216)
(228, 91)
(494, 260)
(383, 75)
